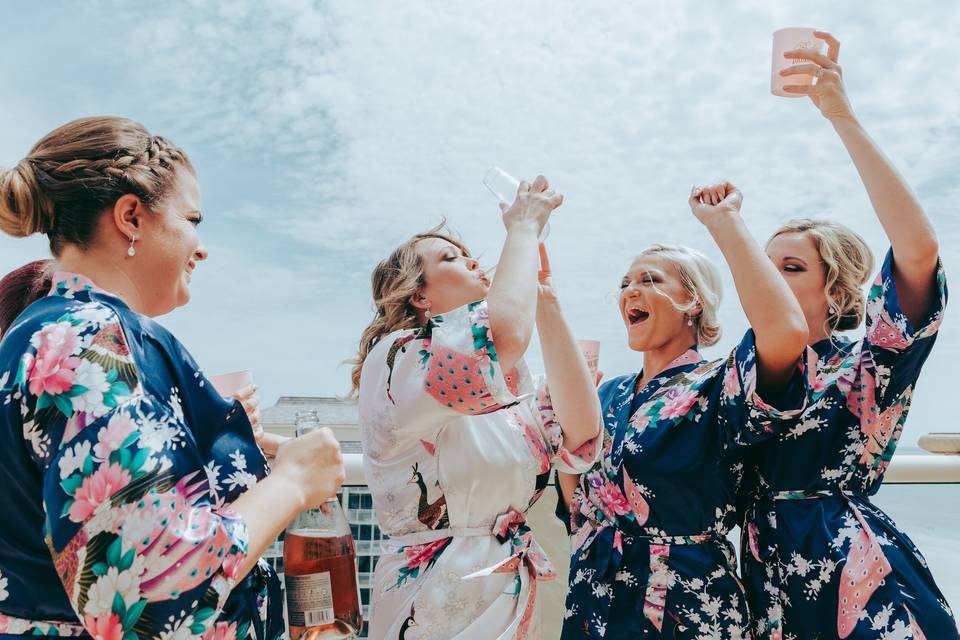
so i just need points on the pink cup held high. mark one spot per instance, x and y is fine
(787, 40)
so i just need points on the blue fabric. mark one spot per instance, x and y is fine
(649, 521)
(178, 436)
(808, 510)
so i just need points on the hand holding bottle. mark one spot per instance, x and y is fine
(313, 463)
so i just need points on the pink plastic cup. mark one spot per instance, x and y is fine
(787, 40)
(591, 353)
(228, 384)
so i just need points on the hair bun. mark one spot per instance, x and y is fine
(24, 209)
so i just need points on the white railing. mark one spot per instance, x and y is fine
(904, 469)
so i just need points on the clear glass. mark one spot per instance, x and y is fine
(504, 187)
(320, 568)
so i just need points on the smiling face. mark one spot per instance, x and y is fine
(797, 258)
(170, 247)
(651, 319)
(452, 278)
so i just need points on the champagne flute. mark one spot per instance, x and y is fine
(504, 187)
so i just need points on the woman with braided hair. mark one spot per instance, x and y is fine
(136, 502)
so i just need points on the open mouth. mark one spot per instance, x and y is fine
(636, 316)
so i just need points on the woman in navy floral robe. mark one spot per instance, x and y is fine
(650, 521)
(136, 501)
(820, 560)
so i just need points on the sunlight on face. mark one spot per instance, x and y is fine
(796, 258)
(452, 277)
(651, 319)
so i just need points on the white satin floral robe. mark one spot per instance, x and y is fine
(455, 453)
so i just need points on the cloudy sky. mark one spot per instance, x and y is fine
(325, 133)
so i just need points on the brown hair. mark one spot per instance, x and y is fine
(22, 287)
(395, 281)
(74, 172)
(71, 176)
(847, 265)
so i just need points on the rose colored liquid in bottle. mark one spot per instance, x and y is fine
(323, 601)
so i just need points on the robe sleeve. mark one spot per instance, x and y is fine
(899, 348)
(579, 461)
(130, 526)
(744, 417)
(449, 368)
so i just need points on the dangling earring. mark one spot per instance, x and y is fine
(427, 314)
(131, 251)
(832, 311)
(689, 321)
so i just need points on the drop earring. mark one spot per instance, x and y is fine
(689, 321)
(131, 251)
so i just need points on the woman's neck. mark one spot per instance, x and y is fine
(106, 271)
(655, 361)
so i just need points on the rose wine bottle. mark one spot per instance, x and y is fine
(320, 569)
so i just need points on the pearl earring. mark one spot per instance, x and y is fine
(131, 251)
(689, 321)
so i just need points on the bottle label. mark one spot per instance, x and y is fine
(309, 599)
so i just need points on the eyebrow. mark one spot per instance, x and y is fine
(643, 272)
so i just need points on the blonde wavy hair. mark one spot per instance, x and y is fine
(847, 265)
(395, 282)
(701, 279)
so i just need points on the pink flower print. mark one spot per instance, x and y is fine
(676, 404)
(420, 555)
(111, 437)
(231, 565)
(609, 495)
(481, 316)
(96, 489)
(731, 385)
(52, 369)
(221, 631)
(638, 422)
(104, 627)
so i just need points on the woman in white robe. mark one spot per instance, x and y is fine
(459, 441)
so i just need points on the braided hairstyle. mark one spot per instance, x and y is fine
(76, 171)
(71, 176)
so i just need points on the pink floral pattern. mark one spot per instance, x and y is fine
(131, 527)
(820, 559)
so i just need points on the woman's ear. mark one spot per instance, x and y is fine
(128, 213)
(420, 301)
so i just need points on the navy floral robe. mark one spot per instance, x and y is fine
(118, 461)
(820, 560)
(650, 521)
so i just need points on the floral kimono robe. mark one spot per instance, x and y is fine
(819, 559)
(650, 521)
(455, 453)
(117, 461)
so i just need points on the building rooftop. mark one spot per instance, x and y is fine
(331, 411)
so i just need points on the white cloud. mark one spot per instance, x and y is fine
(327, 132)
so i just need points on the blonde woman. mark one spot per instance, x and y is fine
(458, 441)
(650, 520)
(819, 558)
